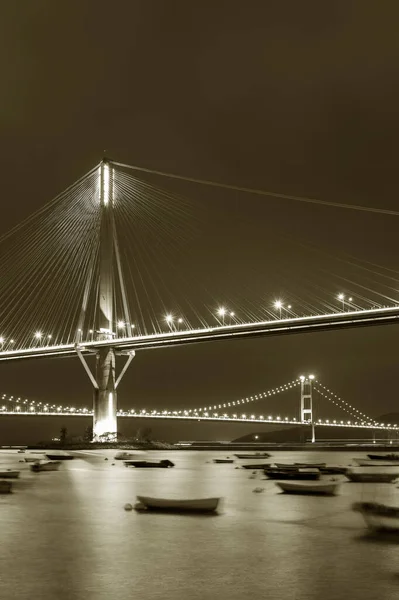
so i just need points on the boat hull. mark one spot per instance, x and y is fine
(60, 456)
(220, 461)
(367, 462)
(320, 488)
(357, 477)
(143, 464)
(281, 474)
(257, 455)
(379, 517)
(194, 505)
(48, 466)
(9, 474)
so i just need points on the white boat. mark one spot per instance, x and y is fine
(326, 488)
(379, 517)
(9, 474)
(371, 476)
(45, 465)
(193, 505)
(368, 462)
(126, 455)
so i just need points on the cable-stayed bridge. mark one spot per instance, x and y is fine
(72, 272)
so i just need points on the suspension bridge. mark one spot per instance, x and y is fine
(64, 271)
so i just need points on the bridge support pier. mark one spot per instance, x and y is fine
(104, 401)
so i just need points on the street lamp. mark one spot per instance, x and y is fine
(278, 304)
(1, 343)
(221, 313)
(38, 336)
(169, 320)
(342, 298)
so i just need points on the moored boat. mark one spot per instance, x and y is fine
(358, 476)
(146, 464)
(254, 455)
(325, 488)
(300, 465)
(126, 455)
(60, 456)
(258, 466)
(186, 505)
(333, 470)
(379, 517)
(223, 460)
(45, 465)
(304, 474)
(368, 462)
(9, 474)
(390, 456)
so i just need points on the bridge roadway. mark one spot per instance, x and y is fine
(228, 419)
(346, 320)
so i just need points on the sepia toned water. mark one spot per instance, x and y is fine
(66, 535)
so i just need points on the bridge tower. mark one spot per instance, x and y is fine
(104, 380)
(307, 402)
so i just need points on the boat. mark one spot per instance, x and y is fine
(60, 456)
(9, 474)
(333, 470)
(325, 488)
(223, 460)
(125, 455)
(300, 465)
(192, 505)
(384, 457)
(146, 464)
(368, 462)
(5, 487)
(307, 474)
(370, 476)
(45, 465)
(379, 517)
(32, 459)
(257, 466)
(254, 455)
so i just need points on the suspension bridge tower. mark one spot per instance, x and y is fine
(306, 415)
(110, 283)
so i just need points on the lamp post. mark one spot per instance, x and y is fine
(279, 305)
(221, 313)
(342, 298)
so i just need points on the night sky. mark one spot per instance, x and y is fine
(294, 97)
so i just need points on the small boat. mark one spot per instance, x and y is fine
(257, 466)
(304, 474)
(192, 505)
(45, 465)
(125, 455)
(379, 517)
(324, 488)
(21, 452)
(367, 462)
(333, 470)
(5, 487)
(384, 457)
(370, 476)
(32, 459)
(9, 474)
(223, 460)
(255, 455)
(300, 465)
(60, 456)
(146, 464)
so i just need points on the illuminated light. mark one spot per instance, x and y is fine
(278, 304)
(341, 296)
(169, 319)
(121, 324)
(180, 320)
(221, 311)
(302, 377)
(311, 377)
(1, 340)
(38, 335)
(231, 314)
(105, 183)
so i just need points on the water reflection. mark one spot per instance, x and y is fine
(66, 535)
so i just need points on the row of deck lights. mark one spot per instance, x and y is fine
(205, 414)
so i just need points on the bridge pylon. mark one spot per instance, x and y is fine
(307, 402)
(104, 381)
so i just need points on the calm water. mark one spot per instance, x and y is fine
(65, 535)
